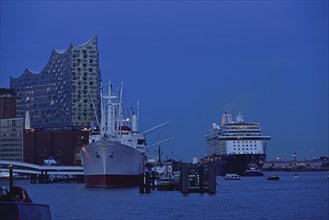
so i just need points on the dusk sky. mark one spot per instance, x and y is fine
(188, 61)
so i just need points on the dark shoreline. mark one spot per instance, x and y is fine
(295, 170)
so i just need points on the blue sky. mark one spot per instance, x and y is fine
(188, 61)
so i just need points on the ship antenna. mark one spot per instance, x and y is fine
(137, 117)
(159, 152)
(137, 109)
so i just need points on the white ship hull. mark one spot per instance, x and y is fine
(111, 164)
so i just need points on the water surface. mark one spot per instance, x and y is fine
(305, 197)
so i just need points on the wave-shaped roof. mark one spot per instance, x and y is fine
(59, 52)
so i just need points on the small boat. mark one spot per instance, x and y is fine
(273, 177)
(232, 176)
(253, 172)
(17, 204)
(167, 182)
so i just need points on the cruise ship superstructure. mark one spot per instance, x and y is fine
(236, 146)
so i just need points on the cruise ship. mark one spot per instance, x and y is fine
(236, 146)
(115, 155)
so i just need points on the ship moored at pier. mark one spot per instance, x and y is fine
(114, 156)
(236, 146)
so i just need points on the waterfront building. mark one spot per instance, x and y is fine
(11, 127)
(60, 103)
(7, 103)
(63, 146)
(11, 139)
(66, 93)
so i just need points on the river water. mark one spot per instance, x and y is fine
(305, 197)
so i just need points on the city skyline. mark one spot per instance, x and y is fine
(188, 61)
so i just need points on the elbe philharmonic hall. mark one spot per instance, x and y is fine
(49, 113)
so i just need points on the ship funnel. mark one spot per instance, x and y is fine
(134, 123)
(226, 118)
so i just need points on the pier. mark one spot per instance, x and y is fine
(192, 178)
(296, 165)
(40, 174)
(198, 178)
(145, 182)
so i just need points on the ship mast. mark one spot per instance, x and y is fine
(103, 127)
(92, 102)
(110, 112)
(119, 116)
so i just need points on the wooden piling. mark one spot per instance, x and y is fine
(32, 176)
(147, 183)
(46, 177)
(153, 180)
(184, 179)
(141, 183)
(41, 178)
(11, 182)
(212, 178)
(201, 178)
